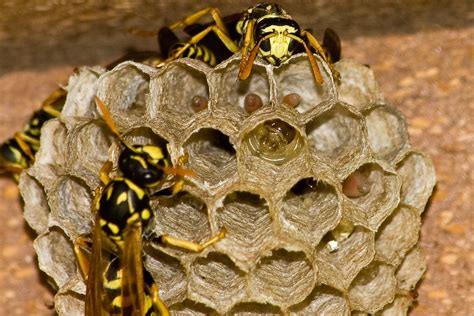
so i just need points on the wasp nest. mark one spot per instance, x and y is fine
(317, 186)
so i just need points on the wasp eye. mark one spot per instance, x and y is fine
(292, 45)
(265, 45)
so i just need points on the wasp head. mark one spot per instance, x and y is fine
(274, 31)
(144, 164)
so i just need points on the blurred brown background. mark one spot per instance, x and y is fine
(422, 55)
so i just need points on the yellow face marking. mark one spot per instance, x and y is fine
(146, 214)
(122, 198)
(113, 228)
(138, 191)
(154, 152)
(280, 42)
(102, 222)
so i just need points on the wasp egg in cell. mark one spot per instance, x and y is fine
(357, 184)
(292, 100)
(252, 102)
(199, 103)
(275, 141)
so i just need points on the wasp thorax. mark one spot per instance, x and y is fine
(275, 141)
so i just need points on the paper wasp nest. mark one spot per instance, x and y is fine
(299, 241)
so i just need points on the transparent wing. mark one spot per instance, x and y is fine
(95, 286)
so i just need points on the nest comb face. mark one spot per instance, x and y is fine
(321, 201)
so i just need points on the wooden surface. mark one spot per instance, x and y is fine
(422, 56)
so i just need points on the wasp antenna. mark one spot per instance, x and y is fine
(314, 66)
(109, 121)
(247, 61)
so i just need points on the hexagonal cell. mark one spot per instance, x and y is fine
(357, 86)
(231, 92)
(55, 256)
(373, 288)
(418, 179)
(182, 216)
(71, 203)
(168, 274)
(387, 132)
(399, 307)
(390, 244)
(36, 206)
(94, 138)
(249, 227)
(296, 76)
(69, 303)
(191, 82)
(309, 210)
(52, 149)
(275, 141)
(125, 91)
(211, 157)
(283, 278)
(190, 308)
(382, 196)
(253, 309)
(411, 270)
(82, 86)
(338, 268)
(322, 301)
(216, 282)
(337, 136)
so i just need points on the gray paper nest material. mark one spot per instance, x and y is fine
(274, 259)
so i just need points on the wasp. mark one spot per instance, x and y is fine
(116, 282)
(264, 30)
(17, 153)
(169, 44)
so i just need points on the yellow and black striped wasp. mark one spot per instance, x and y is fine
(117, 283)
(265, 30)
(17, 153)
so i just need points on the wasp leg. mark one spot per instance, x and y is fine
(82, 250)
(248, 58)
(193, 18)
(226, 40)
(22, 140)
(157, 302)
(248, 39)
(189, 245)
(104, 172)
(315, 44)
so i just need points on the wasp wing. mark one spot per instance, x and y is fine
(332, 45)
(133, 287)
(95, 286)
